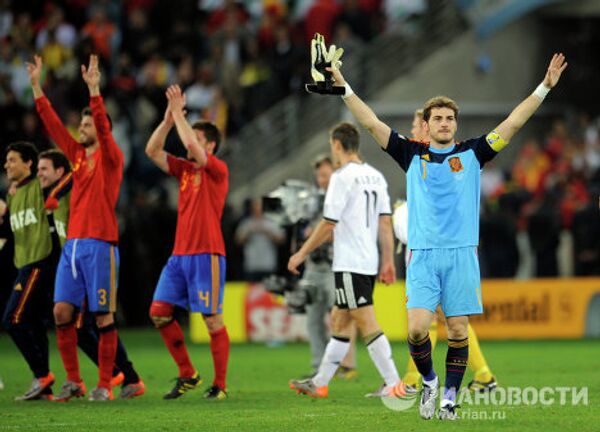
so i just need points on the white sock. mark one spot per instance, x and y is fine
(432, 384)
(381, 354)
(334, 354)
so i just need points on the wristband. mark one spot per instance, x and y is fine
(348, 91)
(541, 91)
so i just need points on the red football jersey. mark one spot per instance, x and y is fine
(96, 178)
(202, 193)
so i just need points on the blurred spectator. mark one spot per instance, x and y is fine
(101, 31)
(259, 237)
(64, 32)
(586, 240)
(320, 18)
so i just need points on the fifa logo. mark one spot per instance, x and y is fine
(455, 164)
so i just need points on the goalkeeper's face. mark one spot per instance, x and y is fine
(442, 125)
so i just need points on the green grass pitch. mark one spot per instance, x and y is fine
(260, 399)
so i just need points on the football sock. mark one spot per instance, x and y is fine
(123, 363)
(336, 350)
(174, 340)
(66, 338)
(107, 350)
(219, 348)
(456, 363)
(381, 353)
(412, 375)
(477, 361)
(420, 351)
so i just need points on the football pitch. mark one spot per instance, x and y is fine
(260, 400)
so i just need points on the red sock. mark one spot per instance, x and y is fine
(107, 351)
(174, 340)
(66, 338)
(219, 347)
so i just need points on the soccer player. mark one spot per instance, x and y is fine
(55, 177)
(443, 203)
(89, 261)
(356, 213)
(483, 380)
(194, 275)
(29, 304)
(318, 281)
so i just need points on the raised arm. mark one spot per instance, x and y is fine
(519, 116)
(156, 144)
(362, 112)
(54, 126)
(387, 269)
(184, 130)
(91, 76)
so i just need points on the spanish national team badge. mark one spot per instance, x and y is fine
(184, 181)
(91, 162)
(196, 180)
(455, 164)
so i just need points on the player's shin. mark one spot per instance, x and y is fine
(219, 348)
(66, 338)
(107, 350)
(456, 363)
(420, 351)
(336, 350)
(381, 353)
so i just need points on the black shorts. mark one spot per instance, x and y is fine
(353, 290)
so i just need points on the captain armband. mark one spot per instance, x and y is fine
(495, 141)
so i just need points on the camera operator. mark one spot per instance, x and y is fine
(318, 282)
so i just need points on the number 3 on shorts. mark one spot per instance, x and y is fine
(101, 296)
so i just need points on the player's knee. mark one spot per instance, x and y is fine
(104, 319)
(161, 313)
(417, 332)
(63, 313)
(213, 322)
(457, 330)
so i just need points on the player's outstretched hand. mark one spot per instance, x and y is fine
(176, 98)
(91, 73)
(555, 70)
(34, 70)
(387, 273)
(295, 261)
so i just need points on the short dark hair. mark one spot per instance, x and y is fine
(211, 132)
(347, 134)
(439, 102)
(58, 158)
(87, 111)
(26, 150)
(321, 159)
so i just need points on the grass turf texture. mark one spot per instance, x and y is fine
(259, 397)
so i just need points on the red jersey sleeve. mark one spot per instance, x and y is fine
(108, 145)
(216, 168)
(56, 130)
(177, 165)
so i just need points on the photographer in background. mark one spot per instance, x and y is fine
(318, 283)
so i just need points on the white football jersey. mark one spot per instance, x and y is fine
(357, 195)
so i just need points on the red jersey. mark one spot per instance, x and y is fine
(202, 193)
(96, 178)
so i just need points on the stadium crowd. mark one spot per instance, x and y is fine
(233, 61)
